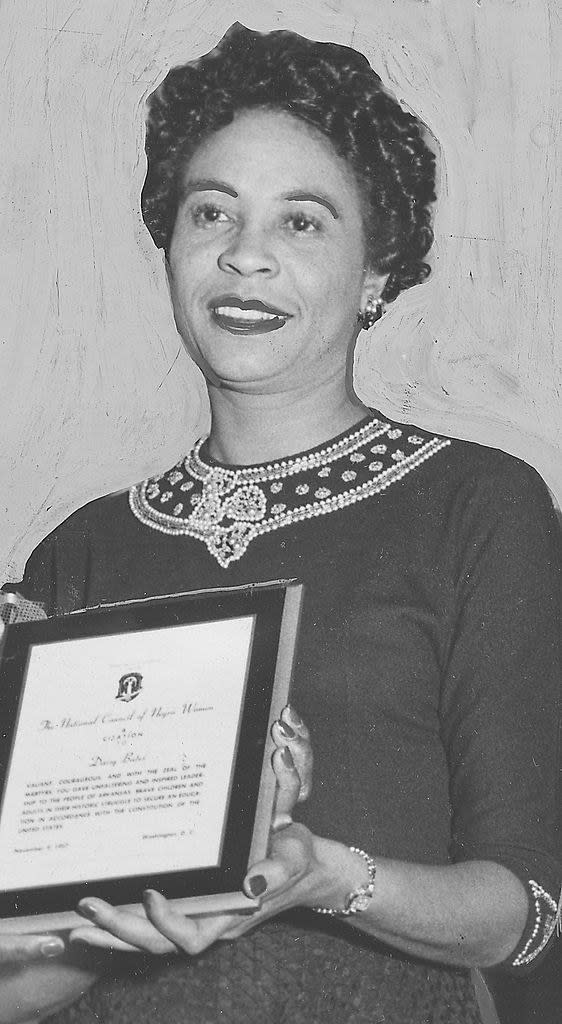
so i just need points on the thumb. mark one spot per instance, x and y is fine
(289, 859)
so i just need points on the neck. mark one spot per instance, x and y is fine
(250, 429)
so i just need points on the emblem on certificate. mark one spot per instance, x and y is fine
(135, 751)
(130, 686)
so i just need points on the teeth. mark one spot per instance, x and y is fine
(235, 313)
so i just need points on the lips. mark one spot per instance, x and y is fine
(246, 316)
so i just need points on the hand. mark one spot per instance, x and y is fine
(162, 929)
(39, 976)
(17, 951)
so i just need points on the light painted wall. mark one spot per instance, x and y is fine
(96, 390)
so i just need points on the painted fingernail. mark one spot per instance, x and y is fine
(286, 731)
(52, 947)
(287, 758)
(257, 885)
(294, 715)
(87, 910)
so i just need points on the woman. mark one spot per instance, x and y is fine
(292, 196)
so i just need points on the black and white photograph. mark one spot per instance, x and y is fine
(279, 321)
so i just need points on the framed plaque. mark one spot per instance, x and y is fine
(135, 751)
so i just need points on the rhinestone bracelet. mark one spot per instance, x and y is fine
(358, 899)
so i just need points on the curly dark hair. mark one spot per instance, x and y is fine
(331, 87)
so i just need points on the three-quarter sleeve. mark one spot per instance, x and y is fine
(500, 699)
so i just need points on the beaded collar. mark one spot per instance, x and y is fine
(226, 508)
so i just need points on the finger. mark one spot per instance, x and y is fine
(101, 940)
(301, 751)
(292, 726)
(191, 934)
(131, 928)
(288, 787)
(290, 715)
(22, 949)
(291, 731)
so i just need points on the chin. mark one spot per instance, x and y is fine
(244, 383)
(241, 369)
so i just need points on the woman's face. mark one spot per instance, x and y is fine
(267, 256)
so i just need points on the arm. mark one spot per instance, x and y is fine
(466, 915)
(499, 714)
(38, 977)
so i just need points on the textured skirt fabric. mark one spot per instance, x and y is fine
(287, 972)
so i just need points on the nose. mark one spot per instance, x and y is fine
(249, 253)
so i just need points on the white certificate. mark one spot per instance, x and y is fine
(123, 754)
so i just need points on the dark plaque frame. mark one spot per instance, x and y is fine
(275, 610)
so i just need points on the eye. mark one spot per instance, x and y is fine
(206, 214)
(303, 224)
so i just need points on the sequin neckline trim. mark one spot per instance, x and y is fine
(228, 507)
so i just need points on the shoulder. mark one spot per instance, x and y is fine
(464, 496)
(475, 472)
(495, 481)
(491, 467)
(94, 544)
(107, 512)
(82, 535)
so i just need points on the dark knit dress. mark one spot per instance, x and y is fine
(428, 669)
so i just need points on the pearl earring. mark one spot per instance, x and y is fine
(374, 309)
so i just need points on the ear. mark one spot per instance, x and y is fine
(373, 285)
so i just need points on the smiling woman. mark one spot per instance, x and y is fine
(292, 197)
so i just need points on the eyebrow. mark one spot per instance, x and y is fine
(214, 185)
(310, 197)
(208, 185)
